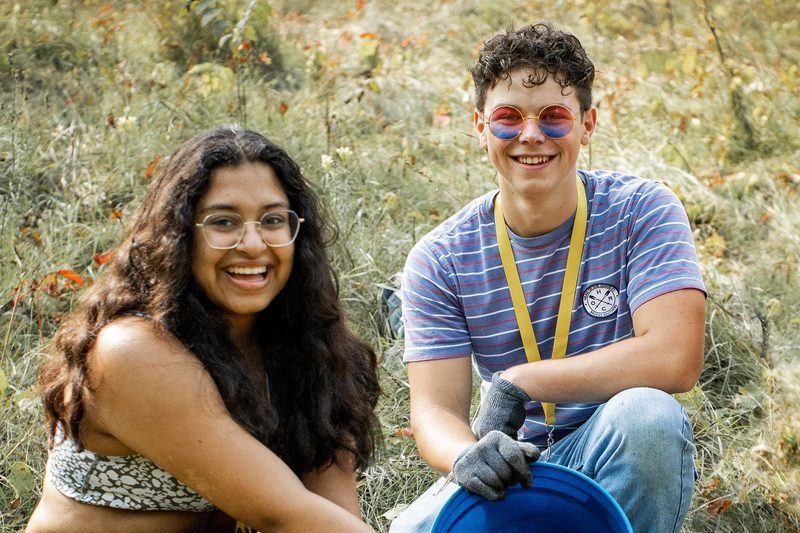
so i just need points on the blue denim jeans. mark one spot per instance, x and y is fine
(638, 446)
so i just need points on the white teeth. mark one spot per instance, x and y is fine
(247, 270)
(534, 160)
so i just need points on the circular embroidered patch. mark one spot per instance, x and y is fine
(601, 300)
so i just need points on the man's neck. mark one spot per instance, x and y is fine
(534, 216)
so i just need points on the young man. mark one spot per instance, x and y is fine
(590, 385)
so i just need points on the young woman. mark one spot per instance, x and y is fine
(208, 376)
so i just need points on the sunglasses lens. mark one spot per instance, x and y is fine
(506, 123)
(555, 121)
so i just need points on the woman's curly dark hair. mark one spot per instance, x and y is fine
(323, 379)
(543, 50)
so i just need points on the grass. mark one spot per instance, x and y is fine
(373, 99)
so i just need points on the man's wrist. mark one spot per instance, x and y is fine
(510, 386)
(458, 450)
(510, 374)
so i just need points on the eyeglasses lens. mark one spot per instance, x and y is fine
(555, 121)
(277, 228)
(507, 122)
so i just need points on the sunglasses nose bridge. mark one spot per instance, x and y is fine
(525, 131)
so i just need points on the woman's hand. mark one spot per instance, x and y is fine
(336, 483)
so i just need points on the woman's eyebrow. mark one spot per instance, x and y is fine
(231, 207)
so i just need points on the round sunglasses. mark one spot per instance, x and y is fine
(506, 122)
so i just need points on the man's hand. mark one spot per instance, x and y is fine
(493, 463)
(503, 409)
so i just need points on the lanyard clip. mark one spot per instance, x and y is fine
(550, 441)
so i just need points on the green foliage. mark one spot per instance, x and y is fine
(236, 34)
(373, 99)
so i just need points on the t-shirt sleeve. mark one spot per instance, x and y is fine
(433, 317)
(661, 254)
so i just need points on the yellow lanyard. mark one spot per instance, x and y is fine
(567, 289)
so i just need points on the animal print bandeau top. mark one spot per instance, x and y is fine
(130, 482)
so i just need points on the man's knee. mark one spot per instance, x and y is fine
(645, 409)
(650, 426)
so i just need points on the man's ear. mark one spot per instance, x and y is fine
(588, 124)
(480, 127)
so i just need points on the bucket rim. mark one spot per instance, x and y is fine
(544, 470)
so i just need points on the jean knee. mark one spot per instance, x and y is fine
(646, 411)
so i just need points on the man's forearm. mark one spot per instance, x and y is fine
(441, 437)
(666, 354)
(441, 392)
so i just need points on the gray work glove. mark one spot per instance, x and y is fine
(493, 463)
(503, 409)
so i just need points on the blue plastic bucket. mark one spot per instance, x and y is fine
(560, 501)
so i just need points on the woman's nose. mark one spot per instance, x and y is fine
(252, 239)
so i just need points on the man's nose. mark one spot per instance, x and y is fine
(531, 132)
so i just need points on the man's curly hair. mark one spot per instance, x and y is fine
(543, 50)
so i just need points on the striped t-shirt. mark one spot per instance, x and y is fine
(456, 301)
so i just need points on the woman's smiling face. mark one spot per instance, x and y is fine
(243, 280)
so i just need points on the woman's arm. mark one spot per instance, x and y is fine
(154, 397)
(336, 483)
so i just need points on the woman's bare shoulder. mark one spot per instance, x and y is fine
(135, 367)
(135, 344)
(134, 334)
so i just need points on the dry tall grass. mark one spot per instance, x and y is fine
(373, 98)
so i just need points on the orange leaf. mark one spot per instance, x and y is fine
(244, 46)
(368, 35)
(712, 484)
(284, 107)
(403, 432)
(264, 58)
(718, 507)
(115, 214)
(71, 275)
(49, 278)
(764, 217)
(152, 167)
(49, 284)
(100, 259)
